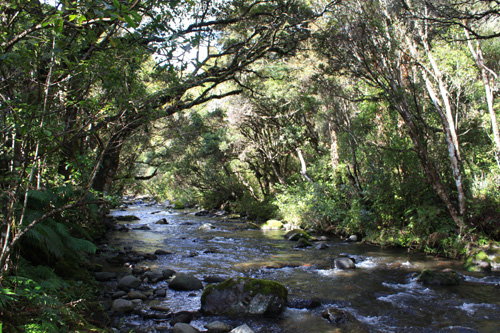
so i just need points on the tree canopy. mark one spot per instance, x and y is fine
(371, 117)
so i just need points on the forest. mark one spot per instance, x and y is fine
(368, 118)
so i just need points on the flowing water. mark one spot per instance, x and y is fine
(381, 292)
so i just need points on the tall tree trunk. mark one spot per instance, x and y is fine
(487, 76)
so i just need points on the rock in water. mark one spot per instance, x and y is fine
(185, 282)
(344, 263)
(244, 296)
(343, 320)
(445, 277)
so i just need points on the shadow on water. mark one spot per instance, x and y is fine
(381, 292)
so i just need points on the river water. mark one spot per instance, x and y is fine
(381, 292)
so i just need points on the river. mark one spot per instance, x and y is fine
(381, 292)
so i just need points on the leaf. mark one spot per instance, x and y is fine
(129, 21)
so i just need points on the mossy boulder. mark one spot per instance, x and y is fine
(296, 234)
(272, 225)
(445, 277)
(239, 297)
(479, 262)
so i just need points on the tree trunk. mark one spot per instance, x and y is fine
(488, 76)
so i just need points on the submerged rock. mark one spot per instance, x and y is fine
(185, 282)
(344, 320)
(244, 296)
(445, 277)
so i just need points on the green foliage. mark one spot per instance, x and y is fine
(45, 301)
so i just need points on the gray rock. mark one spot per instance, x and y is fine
(161, 292)
(105, 276)
(154, 276)
(119, 294)
(127, 218)
(217, 327)
(129, 282)
(184, 328)
(137, 295)
(122, 305)
(344, 263)
(185, 282)
(243, 329)
(162, 221)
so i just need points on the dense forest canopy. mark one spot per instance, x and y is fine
(376, 118)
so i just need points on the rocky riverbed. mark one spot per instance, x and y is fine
(157, 263)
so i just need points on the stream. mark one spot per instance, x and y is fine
(381, 292)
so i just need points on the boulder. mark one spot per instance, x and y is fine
(344, 263)
(446, 277)
(105, 276)
(322, 246)
(184, 328)
(185, 282)
(241, 297)
(129, 282)
(217, 327)
(122, 305)
(162, 221)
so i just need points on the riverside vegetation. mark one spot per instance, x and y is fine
(373, 119)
